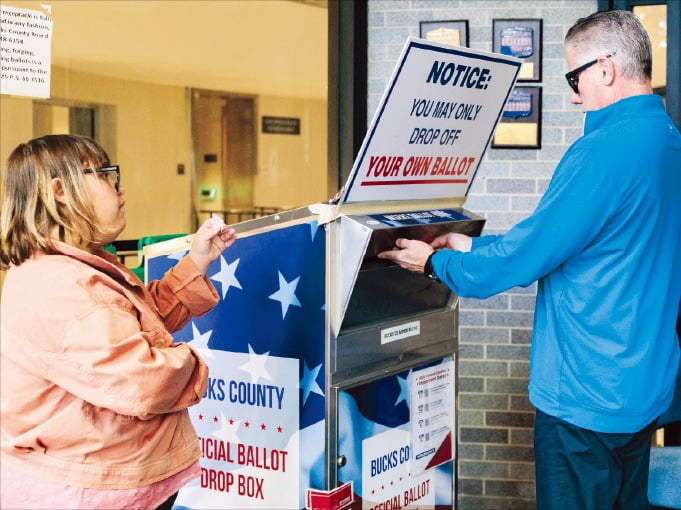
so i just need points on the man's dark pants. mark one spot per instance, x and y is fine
(581, 469)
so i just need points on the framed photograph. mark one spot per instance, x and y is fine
(520, 38)
(520, 123)
(454, 32)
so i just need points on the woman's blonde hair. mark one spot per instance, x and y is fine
(30, 215)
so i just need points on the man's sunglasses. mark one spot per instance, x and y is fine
(572, 76)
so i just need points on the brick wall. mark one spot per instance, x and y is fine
(496, 468)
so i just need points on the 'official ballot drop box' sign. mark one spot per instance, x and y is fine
(332, 372)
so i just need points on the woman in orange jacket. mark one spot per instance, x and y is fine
(94, 391)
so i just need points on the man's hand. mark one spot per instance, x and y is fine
(409, 254)
(210, 240)
(453, 241)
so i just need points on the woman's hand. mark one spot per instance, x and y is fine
(210, 240)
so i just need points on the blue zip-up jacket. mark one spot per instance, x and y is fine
(605, 244)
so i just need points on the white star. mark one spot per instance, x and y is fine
(286, 294)
(441, 214)
(200, 341)
(178, 255)
(404, 390)
(227, 431)
(256, 365)
(313, 228)
(226, 276)
(309, 382)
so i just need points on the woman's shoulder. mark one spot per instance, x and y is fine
(50, 268)
(58, 279)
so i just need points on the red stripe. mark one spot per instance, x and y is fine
(423, 181)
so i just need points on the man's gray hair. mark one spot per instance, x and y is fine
(602, 33)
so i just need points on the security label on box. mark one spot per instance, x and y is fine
(433, 124)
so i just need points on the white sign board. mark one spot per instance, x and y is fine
(433, 427)
(25, 52)
(433, 124)
(248, 432)
(389, 482)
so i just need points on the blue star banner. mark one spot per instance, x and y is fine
(264, 345)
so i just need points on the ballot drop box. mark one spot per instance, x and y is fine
(333, 373)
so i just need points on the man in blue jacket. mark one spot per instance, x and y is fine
(605, 245)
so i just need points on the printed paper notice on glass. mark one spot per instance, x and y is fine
(25, 52)
(432, 416)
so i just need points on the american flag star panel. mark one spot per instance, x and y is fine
(264, 345)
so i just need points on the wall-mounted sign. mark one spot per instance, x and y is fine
(25, 52)
(454, 32)
(520, 38)
(281, 125)
(520, 125)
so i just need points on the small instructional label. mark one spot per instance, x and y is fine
(400, 332)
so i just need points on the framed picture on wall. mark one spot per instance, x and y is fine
(520, 38)
(454, 32)
(520, 123)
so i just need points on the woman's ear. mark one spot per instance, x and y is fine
(58, 190)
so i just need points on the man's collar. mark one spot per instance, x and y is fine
(628, 106)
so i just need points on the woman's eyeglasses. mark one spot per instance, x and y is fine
(572, 77)
(112, 173)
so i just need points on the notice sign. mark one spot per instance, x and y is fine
(433, 124)
(432, 416)
(25, 52)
